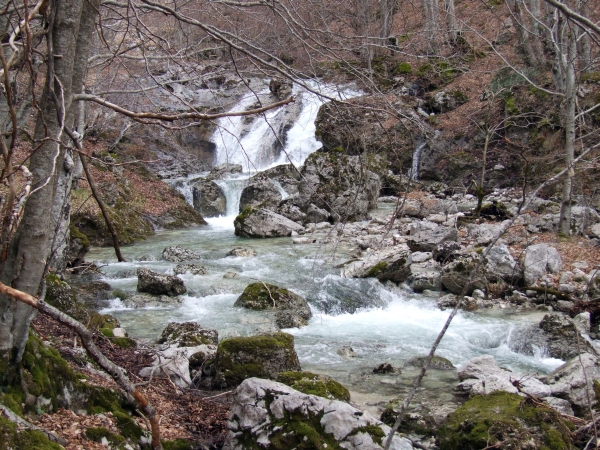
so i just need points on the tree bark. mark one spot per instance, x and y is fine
(30, 254)
(431, 13)
(569, 125)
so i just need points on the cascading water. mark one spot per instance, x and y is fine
(280, 136)
(416, 162)
(381, 324)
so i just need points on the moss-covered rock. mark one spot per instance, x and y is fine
(60, 295)
(96, 434)
(506, 420)
(263, 356)
(12, 438)
(313, 384)
(265, 296)
(187, 334)
(46, 382)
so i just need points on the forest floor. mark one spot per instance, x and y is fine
(197, 416)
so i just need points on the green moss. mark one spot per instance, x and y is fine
(376, 433)
(376, 269)
(510, 107)
(96, 435)
(424, 69)
(177, 444)
(241, 217)
(74, 233)
(501, 417)
(127, 426)
(125, 342)
(591, 77)
(103, 321)
(12, 438)
(313, 384)
(239, 358)
(260, 296)
(295, 431)
(45, 373)
(403, 68)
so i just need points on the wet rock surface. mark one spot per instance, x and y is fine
(159, 284)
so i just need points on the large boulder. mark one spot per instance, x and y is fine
(577, 381)
(481, 375)
(427, 236)
(262, 223)
(219, 172)
(500, 265)
(264, 356)
(457, 274)
(159, 284)
(392, 263)
(360, 126)
(425, 275)
(540, 260)
(187, 334)
(264, 296)
(209, 199)
(260, 192)
(267, 414)
(179, 254)
(558, 335)
(503, 420)
(344, 186)
(174, 362)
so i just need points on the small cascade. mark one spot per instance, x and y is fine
(416, 162)
(184, 186)
(281, 190)
(232, 188)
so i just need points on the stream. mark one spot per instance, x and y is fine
(382, 323)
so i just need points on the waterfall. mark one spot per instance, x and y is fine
(280, 136)
(232, 188)
(414, 174)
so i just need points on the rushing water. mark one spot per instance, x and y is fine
(381, 323)
(393, 326)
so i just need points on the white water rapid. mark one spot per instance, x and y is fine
(388, 324)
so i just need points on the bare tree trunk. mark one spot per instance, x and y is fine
(431, 14)
(451, 21)
(536, 31)
(387, 8)
(570, 47)
(523, 33)
(30, 253)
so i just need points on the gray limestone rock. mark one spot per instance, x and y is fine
(263, 223)
(179, 254)
(159, 284)
(260, 192)
(391, 263)
(209, 199)
(262, 411)
(481, 376)
(540, 260)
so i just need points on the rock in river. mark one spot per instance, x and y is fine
(262, 223)
(159, 284)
